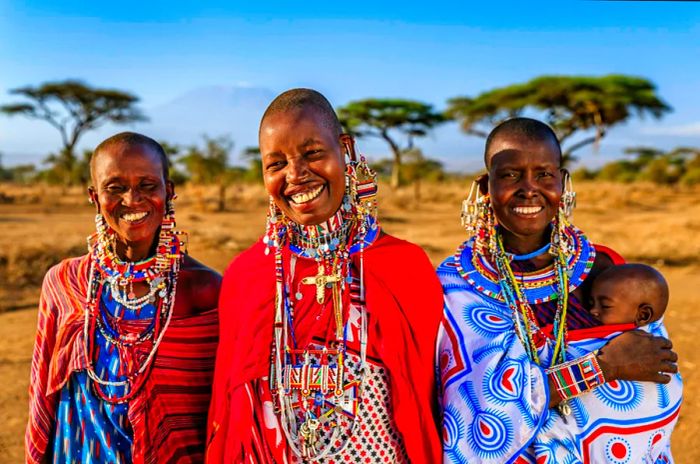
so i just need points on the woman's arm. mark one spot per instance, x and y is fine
(633, 355)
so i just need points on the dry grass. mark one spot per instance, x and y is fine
(647, 223)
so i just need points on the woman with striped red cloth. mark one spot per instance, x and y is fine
(124, 353)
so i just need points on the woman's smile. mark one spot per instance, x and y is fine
(306, 196)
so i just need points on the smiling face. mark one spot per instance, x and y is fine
(303, 165)
(131, 193)
(525, 184)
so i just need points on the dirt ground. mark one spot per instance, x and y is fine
(644, 223)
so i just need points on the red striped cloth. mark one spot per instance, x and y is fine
(168, 415)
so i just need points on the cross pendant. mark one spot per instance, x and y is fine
(320, 280)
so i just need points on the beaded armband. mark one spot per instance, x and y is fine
(577, 376)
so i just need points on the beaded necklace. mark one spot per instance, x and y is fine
(494, 277)
(160, 272)
(523, 316)
(296, 382)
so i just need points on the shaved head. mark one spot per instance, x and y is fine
(301, 100)
(528, 128)
(130, 139)
(649, 285)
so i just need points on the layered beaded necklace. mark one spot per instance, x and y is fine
(493, 276)
(304, 381)
(159, 272)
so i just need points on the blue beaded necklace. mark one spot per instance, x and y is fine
(539, 251)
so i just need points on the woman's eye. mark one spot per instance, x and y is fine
(115, 188)
(275, 165)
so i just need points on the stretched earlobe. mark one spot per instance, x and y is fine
(349, 143)
(483, 182)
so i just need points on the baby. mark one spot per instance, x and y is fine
(629, 293)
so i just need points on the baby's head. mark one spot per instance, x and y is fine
(629, 293)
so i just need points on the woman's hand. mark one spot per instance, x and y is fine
(637, 355)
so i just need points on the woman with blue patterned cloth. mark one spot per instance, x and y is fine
(527, 373)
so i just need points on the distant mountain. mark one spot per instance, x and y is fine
(214, 110)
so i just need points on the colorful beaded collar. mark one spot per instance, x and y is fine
(333, 235)
(538, 286)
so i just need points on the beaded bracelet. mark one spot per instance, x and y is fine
(576, 376)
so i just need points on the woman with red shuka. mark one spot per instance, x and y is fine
(328, 325)
(126, 338)
(528, 374)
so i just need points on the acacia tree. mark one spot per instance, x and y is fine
(570, 104)
(209, 165)
(73, 108)
(253, 156)
(390, 120)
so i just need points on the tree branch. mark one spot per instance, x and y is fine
(583, 143)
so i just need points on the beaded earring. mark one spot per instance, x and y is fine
(167, 227)
(273, 224)
(559, 239)
(360, 181)
(103, 235)
(568, 198)
(479, 221)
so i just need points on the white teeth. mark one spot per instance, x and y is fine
(133, 217)
(528, 209)
(303, 197)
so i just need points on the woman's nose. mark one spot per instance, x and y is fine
(528, 186)
(297, 170)
(132, 197)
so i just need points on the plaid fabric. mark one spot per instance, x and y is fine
(168, 416)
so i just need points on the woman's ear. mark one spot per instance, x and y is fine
(483, 181)
(348, 143)
(170, 190)
(92, 194)
(645, 314)
(565, 176)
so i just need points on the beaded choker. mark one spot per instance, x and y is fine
(318, 241)
(159, 272)
(538, 286)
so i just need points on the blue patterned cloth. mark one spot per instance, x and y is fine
(495, 399)
(88, 429)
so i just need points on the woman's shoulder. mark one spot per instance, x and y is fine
(607, 255)
(248, 260)
(390, 246)
(66, 271)
(201, 284)
(200, 273)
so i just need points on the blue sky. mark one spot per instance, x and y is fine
(349, 50)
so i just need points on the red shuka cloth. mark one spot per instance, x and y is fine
(404, 304)
(168, 415)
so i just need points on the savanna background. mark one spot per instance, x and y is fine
(419, 89)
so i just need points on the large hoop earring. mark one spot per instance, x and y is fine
(568, 197)
(479, 221)
(560, 240)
